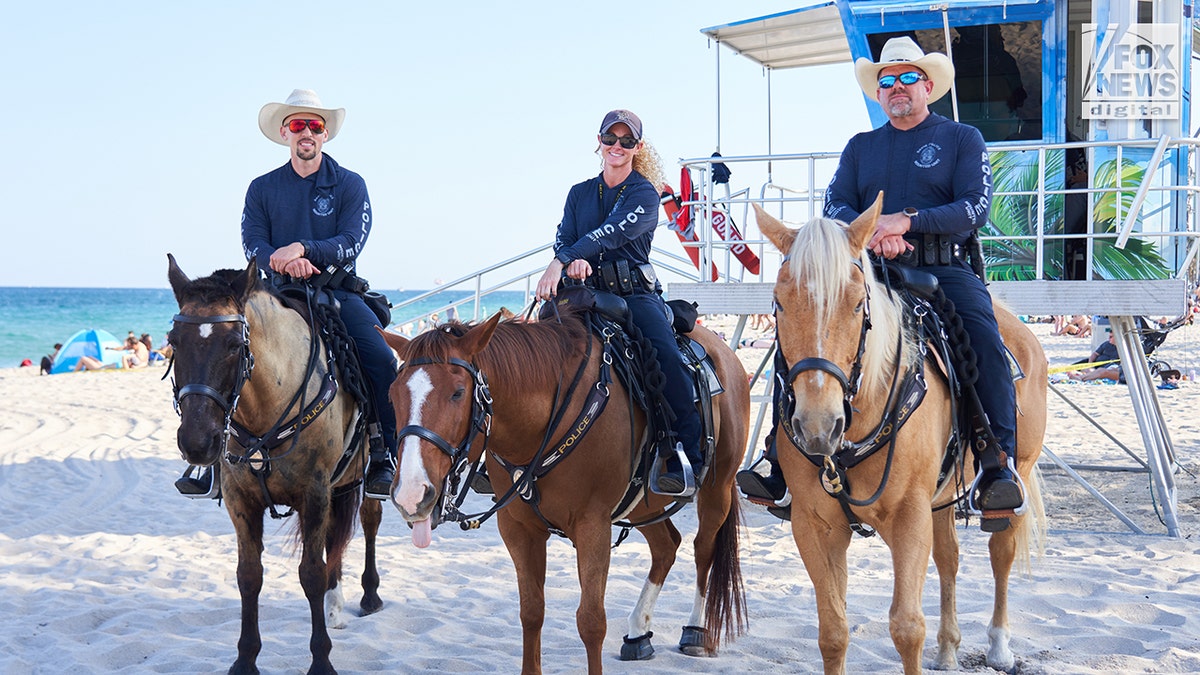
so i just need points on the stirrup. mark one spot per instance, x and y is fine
(689, 477)
(193, 486)
(973, 510)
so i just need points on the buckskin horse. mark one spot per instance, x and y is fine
(257, 397)
(833, 314)
(574, 486)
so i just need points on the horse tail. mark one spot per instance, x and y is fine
(725, 603)
(343, 509)
(1031, 533)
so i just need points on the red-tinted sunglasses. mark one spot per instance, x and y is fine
(297, 126)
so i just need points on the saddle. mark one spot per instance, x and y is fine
(608, 317)
(950, 351)
(320, 308)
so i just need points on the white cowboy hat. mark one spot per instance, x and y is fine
(271, 117)
(936, 66)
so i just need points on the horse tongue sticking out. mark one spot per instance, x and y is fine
(422, 533)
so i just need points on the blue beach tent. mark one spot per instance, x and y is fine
(88, 342)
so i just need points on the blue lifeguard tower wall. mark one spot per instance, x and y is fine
(1025, 72)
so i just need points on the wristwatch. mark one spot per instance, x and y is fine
(910, 212)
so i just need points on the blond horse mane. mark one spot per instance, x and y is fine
(821, 262)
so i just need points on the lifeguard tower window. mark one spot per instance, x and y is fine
(998, 76)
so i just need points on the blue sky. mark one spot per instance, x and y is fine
(133, 124)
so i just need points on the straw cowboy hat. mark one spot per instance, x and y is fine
(936, 66)
(271, 117)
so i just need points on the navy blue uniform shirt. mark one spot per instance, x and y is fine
(938, 167)
(328, 211)
(616, 222)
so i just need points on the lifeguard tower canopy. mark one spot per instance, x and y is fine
(1003, 47)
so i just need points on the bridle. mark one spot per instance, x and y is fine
(903, 398)
(459, 454)
(243, 371)
(786, 398)
(284, 429)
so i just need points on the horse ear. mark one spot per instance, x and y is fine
(394, 340)
(178, 279)
(779, 234)
(863, 227)
(478, 337)
(246, 283)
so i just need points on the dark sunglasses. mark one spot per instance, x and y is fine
(297, 126)
(627, 142)
(907, 79)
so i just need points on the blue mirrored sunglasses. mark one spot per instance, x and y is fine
(909, 78)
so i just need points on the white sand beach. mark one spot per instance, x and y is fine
(107, 568)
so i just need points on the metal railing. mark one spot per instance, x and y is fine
(1148, 185)
(1159, 207)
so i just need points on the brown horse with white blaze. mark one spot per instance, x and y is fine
(527, 368)
(832, 310)
(246, 361)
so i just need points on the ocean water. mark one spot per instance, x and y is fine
(33, 319)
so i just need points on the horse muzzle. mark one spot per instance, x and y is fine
(819, 435)
(415, 500)
(200, 446)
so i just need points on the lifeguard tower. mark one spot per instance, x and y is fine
(1085, 106)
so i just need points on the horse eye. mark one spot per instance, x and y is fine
(858, 308)
(458, 394)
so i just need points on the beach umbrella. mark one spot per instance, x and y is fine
(87, 342)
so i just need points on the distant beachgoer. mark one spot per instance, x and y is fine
(48, 360)
(155, 355)
(1105, 353)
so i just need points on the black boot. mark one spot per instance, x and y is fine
(380, 475)
(381, 471)
(759, 488)
(198, 485)
(677, 480)
(998, 490)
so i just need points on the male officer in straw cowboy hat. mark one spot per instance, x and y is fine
(308, 215)
(936, 183)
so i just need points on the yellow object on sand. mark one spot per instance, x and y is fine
(1078, 366)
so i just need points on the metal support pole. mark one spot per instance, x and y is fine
(1159, 452)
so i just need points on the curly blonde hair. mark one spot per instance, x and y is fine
(646, 162)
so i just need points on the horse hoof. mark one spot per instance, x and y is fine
(638, 648)
(370, 606)
(692, 642)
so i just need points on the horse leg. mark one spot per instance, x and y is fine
(719, 608)
(663, 540)
(822, 545)
(945, 556)
(249, 529)
(910, 544)
(592, 539)
(370, 514)
(314, 523)
(527, 547)
(1002, 548)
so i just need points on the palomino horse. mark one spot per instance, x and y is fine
(832, 311)
(229, 327)
(528, 368)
